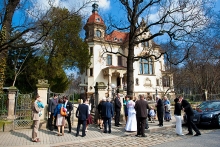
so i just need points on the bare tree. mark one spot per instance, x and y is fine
(177, 20)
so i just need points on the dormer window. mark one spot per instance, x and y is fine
(115, 39)
(98, 19)
(98, 33)
(120, 39)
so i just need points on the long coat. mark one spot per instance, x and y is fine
(117, 104)
(141, 107)
(35, 111)
(52, 105)
(107, 110)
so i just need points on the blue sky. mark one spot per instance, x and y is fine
(106, 7)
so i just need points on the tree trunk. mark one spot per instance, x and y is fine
(5, 35)
(130, 70)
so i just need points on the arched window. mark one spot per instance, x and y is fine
(98, 33)
(146, 66)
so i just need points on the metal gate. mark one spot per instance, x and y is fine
(23, 112)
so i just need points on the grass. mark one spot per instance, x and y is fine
(3, 122)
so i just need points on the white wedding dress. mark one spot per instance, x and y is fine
(131, 124)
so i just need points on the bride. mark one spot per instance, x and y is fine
(131, 124)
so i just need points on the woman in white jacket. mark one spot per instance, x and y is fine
(177, 114)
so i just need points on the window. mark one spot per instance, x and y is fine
(91, 72)
(98, 33)
(98, 19)
(144, 44)
(119, 60)
(109, 60)
(137, 81)
(157, 82)
(166, 81)
(146, 66)
(91, 50)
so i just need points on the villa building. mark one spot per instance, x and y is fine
(109, 67)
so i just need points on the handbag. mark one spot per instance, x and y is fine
(62, 111)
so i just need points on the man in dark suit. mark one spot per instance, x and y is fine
(117, 110)
(107, 114)
(68, 105)
(186, 107)
(160, 110)
(82, 114)
(53, 102)
(141, 107)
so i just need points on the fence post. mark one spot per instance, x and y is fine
(206, 95)
(11, 102)
(42, 88)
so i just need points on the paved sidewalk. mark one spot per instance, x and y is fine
(22, 138)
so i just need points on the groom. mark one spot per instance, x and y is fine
(141, 107)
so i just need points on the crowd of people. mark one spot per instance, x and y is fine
(137, 114)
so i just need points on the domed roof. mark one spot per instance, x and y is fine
(95, 17)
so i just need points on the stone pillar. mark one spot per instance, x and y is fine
(109, 83)
(122, 116)
(42, 88)
(11, 102)
(121, 84)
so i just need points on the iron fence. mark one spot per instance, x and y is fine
(3, 106)
(201, 97)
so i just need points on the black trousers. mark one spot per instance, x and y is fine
(51, 123)
(69, 123)
(191, 125)
(83, 122)
(107, 121)
(117, 117)
(141, 122)
(160, 117)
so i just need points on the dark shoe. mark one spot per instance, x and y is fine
(105, 132)
(197, 134)
(69, 131)
(37, 140)
(160, 125)
(137, 135)
(117, 125)
(83, 135)
(77, 135)
(109, 132)
(143, 135)
(189, 134)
